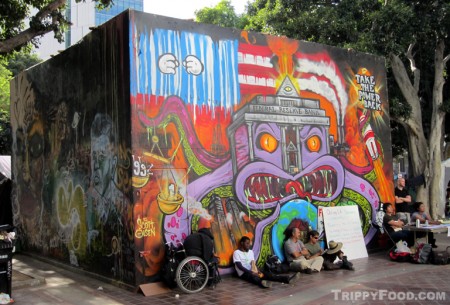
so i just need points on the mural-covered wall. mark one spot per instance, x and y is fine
(71, 155)
(250, 134)
(152, 127)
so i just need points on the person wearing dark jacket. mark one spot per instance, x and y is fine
(200, 244)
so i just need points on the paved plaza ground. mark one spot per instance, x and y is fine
(376, 280)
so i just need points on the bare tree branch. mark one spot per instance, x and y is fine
(446, 58)
(414, 69)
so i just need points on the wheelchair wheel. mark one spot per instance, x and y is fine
(192, 274)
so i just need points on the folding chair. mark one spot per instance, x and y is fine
(390, 237)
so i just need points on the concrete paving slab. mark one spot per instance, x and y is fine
(376, 280)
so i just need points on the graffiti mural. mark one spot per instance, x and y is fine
(151, 128)
(254, 134)
(72, 162)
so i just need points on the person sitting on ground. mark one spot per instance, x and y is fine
(245, 265)
(423, 217)
(298, 256)
(329, 255)
(394, 225)
(334, 252)
(313, 245)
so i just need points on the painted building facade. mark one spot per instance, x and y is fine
(151, 127)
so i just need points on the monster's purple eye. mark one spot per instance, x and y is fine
(268, 142)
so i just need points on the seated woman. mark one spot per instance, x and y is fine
(330, 255)
(394, 225)
(423, 216)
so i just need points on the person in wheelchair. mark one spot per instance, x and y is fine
(244, 262)
(201, 244)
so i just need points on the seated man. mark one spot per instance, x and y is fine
(200, 244)
(394, 225)
(298, 256)
(329, 255)
(244, 263)
(423, 217)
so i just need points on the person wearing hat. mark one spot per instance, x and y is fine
(334, 252)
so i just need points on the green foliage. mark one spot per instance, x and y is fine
(50, 17)
(5, 133)
(5, 126)
(222, 14)
(372, 26)
(20, 61)
(5, 77)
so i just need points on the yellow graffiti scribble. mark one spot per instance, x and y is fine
(72, 217)
(145, 228)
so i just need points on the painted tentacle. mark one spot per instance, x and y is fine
(260, 229)
(175, 106)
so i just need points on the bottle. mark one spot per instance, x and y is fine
(426, 223)
(417, 223)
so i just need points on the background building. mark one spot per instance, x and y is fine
(83, 16)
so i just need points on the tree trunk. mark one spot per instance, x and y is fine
(418, 146)
(435, 141)
(425, 156)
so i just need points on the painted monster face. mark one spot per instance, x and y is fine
(289, 163)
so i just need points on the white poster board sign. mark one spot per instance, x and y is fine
(342, 224)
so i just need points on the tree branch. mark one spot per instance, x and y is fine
(25, 36)
(414, 69)
(446, 58)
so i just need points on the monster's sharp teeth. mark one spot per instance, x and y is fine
(281, 195)
(270, 179)
(271, 196)
(253, 179)
(278, 180)
(265, 197)
(256, 196)
(259, 179)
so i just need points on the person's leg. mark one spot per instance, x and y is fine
(254, 279)
(432, 240)
(300, 264)
(278, 277)
(316, 263)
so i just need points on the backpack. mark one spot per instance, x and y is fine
(440, 257)
(422, 254)
(379, 218)
(400, 257)
(273, 265)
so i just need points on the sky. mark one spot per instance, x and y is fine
(184, 9)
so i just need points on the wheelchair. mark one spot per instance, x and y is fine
(190, 273)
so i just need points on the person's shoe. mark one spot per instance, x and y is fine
(294, 277)
(307, 271)
(434, 246)
(266, 284)
(315, 271)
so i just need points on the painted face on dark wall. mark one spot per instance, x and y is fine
(30, 149)
(102, 155)
(102, 162)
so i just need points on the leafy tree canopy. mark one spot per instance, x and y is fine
(222, 14)
(19, 25)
